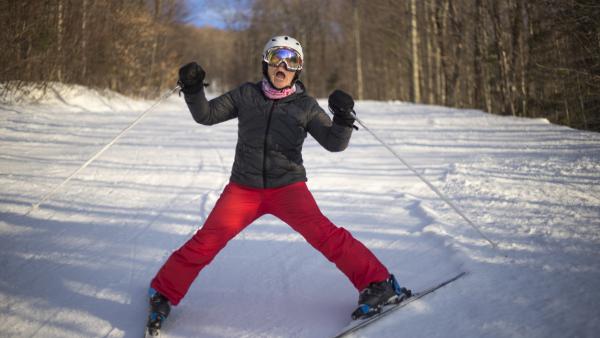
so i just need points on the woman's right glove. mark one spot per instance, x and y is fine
(342, 106)
(191, 78)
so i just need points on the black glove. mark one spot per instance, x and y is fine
(191, 78)
(342, 106)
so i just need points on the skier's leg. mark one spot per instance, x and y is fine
(295, 205)
(237, 207)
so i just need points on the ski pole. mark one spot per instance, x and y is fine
(51, 193)
(422, 178)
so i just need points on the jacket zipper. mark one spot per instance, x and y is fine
(264, 173)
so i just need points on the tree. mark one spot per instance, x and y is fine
(534, 59)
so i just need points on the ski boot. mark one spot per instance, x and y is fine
(378, 294)
(159, 311)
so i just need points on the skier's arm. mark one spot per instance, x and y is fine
(332, 136)
(217, 110)
(191, 81)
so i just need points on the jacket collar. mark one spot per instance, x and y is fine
(300, 92)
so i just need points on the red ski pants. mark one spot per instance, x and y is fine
(239, 206)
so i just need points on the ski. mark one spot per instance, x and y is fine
(361, 323)
(151, 332)
(147, 334)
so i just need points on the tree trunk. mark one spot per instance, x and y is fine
(84, 41)
(356, 28)
(443, 50)
(581, 103)
(502, 60)
(524, 54)
(482, 49)
(416, 81)
(59, 40)
(157, 8)
(430, 54)
(477, 59)
(453, 56)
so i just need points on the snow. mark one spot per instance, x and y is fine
(80, 265)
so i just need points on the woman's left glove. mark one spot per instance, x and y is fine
(191, 78)
(342, 106)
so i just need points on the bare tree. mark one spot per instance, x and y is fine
(416, 81)
(356, 33)
(537, 59)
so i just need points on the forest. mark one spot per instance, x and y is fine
(521, 58)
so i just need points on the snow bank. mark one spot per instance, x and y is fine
(72, 97)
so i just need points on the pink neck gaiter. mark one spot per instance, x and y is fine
(276, 94)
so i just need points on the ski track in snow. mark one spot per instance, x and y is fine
(80, 265)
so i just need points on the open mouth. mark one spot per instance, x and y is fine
(280, 76)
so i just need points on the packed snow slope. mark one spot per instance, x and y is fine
(80, 265)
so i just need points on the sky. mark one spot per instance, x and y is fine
(206, 18)
(211, 13)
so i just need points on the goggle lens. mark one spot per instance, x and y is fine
(291, 59)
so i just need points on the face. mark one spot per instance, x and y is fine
(280, 77)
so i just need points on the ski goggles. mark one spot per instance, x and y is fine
(275, 56)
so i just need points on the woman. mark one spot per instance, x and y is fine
(274, 117)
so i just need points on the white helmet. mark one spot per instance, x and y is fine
(283, 41)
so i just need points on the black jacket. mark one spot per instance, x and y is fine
(270, 132)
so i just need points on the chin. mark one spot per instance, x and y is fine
(281, 85)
